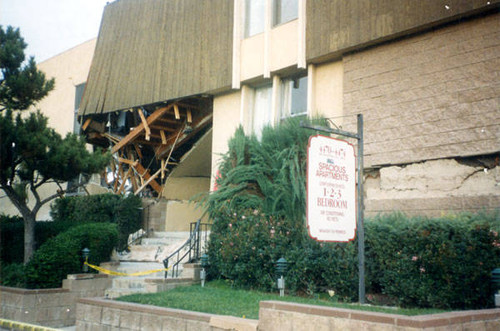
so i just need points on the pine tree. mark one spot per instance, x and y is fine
(31, 153)
(21, 86)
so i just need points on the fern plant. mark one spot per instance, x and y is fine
(266, 174)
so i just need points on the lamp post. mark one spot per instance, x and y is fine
(86, 253)
(203, 273)
(495, 279)
(281, 266)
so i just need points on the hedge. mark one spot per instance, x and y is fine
(62, 255)
(125, 211)
(417, 262)
(68, 212)
(441, 262)
(12, 236)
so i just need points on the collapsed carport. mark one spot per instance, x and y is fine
(148, 97)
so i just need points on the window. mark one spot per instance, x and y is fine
(78, 99)
(73, 187)
(255, 13)
(293, 97)
(262, 108)
(285, 11)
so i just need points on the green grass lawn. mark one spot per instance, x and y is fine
(218, 297)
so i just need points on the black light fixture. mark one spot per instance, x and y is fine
(85, 253)
(281, 266)
(203, 272)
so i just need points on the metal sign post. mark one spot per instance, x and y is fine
(360, 206)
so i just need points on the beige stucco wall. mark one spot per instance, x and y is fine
(284, 45)
(252, 57)
(283, 51)
(226, 121)
(327, 90)
(69, 70)
(180, 214)
(185, 188)
(189, 180)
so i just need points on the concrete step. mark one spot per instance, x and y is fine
(150, 285)
(174, 235)
(150, 253)
(161, 241)
(132, 267)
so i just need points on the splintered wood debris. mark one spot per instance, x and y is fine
(147, 141)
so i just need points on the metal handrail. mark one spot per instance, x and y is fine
(193, 245)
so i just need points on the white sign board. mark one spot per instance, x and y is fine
(331, 189)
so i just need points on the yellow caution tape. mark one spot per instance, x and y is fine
(116, 273)
(14, 325)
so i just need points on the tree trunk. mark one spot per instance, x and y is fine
(29, 236)
(29, 219)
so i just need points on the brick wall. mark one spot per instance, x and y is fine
(283, 316)
(103, 314)
(429, 96)
(50, 307)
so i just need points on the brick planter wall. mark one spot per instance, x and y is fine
(50, 307)
(105, 314)
(283, 316)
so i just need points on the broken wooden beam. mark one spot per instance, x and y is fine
(149, 181)
(144, 173)
(138, 130)
(145, 124)
(163, 137)
(197, 126)
(162, 127)
(127, 161)
(111, 137)
(86, 124)
(134, 182)
(124, 180)
(176, 112)
(138, 151)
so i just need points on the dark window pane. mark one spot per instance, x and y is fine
(285, 11)
(255, 12)
(299, 96)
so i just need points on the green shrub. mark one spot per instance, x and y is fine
(441, 263)
(62, 255)
(12, 274)
(11, 239)
(125, 211)
(245, 248)
(12, 236)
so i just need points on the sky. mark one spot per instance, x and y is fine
(50, 27)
